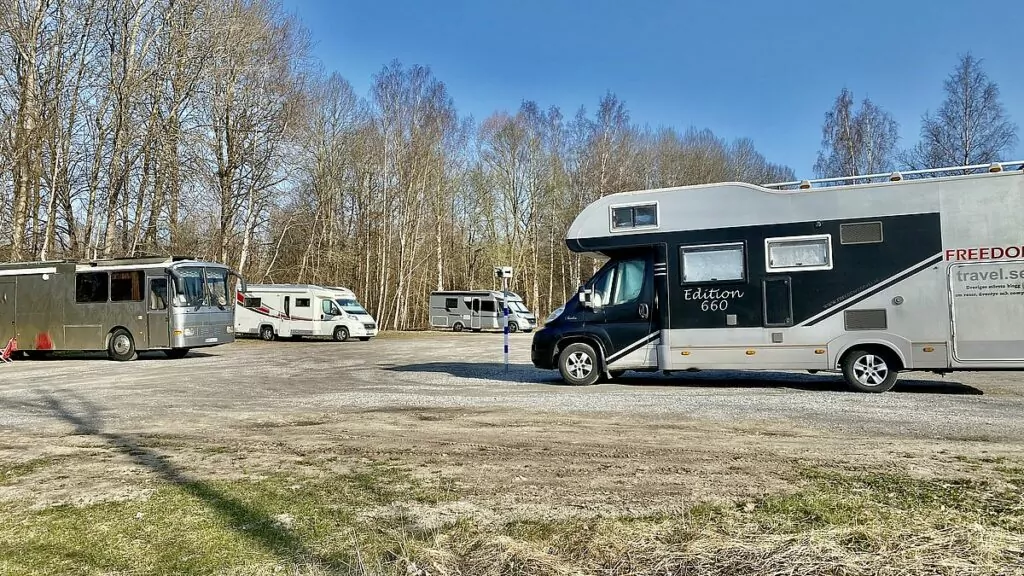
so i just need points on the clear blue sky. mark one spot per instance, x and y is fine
(767, 70)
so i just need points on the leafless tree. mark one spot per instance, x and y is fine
(856, 142)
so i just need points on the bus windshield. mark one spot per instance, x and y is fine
(351, 305)
(194, 288)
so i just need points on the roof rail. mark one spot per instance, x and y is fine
(897, 176)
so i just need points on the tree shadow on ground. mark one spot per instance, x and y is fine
(527, 374)
(84, 417)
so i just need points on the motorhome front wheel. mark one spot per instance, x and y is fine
(578, 364)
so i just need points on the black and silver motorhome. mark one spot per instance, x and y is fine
(868, 279)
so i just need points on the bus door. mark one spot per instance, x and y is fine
(474, 319)
(158, 317)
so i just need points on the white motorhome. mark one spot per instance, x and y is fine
(294, 310)
(478, 310)
(868, 277)
(347, 301)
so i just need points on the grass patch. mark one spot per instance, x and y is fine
(10, 471)
(836, 523)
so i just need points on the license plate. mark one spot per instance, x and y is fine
(210, 340)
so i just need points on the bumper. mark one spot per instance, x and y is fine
(542, 350)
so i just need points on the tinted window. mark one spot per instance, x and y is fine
(126, 286)
(642, 215)
(302, 302)
(91, 287)
(488, 306)
(250, 302)
(711, 263)
(622, 217)
(450, 303)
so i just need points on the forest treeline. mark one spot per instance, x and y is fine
(206, 128)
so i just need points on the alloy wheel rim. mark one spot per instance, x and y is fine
(579, 365)
(870, 370)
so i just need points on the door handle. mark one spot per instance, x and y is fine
(644, 311)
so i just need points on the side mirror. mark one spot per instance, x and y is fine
(587, 298)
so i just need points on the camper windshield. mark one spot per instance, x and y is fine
(351, 305)
(194, 288)
(518, 306)
(189, 286)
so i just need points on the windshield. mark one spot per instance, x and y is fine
(197, 286)
(351, 305)
(519, 307)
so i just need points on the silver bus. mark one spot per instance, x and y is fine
(120, 306)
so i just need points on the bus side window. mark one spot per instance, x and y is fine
(158, 294)
(91, 287)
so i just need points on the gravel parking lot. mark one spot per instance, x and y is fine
(444, 402)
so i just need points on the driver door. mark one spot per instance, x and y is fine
(628, 308)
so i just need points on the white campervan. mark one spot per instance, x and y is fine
(294, 310)
(349, 304)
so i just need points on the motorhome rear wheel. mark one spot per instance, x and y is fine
(869, 371)
(457, 327)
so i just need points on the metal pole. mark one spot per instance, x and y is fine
(504, 288)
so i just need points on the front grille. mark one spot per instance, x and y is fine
(369, 325)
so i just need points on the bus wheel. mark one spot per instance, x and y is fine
(868, 371)
(340, 334)
(267, 333)
(175, 353)
(121, 346)
(578, 364)
(513, 327)
(457, 327)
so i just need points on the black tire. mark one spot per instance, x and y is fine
(869, 371)
(477, 329)
(121, 346)
(38, 354)
(364, 338)
(176, 353)
(340, 334)
(579, 365)
(267, 333)
(513, 327)
(457, 327)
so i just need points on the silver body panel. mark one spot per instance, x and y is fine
(476, 310)
(38, 306)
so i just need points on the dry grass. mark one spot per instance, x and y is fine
(837, 523)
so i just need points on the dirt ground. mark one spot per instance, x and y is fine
(514, 442)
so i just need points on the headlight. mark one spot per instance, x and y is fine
(190, 332)
(230, 329)
(558, 312)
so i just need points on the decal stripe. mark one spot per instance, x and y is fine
(634, 346)
(857, 298)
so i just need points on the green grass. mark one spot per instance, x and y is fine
(834, 523)
(10, 471)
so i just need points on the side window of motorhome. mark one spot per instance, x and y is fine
(712, 263)
(302, 302)
(451, 303)
(126, 286)
(488, 306)
(91, 287)
(630, 280)
(799, 254)
(250, 302)
(639, 216)
(158, 293)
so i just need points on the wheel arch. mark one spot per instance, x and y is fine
(892, 347)
(110, 334)
(589, 339)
